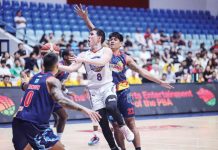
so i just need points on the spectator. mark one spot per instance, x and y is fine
(20, 23)
(163, 38)
(140, 40)
(204, 59)
(156, 37)
(134, 79)
(72, 41)
(31, 62)
(68, 47)
(177, 39)
(81, 47)
(21, 51)
(170, 75)
(189, 47)
(186, 78)
(202, 48)
(17, 56)
(62, 42)
(179, 74)
(44, 39)
(164, 77)
(166, 55)
(156, 53)
(214, 48)
(8, 58)
(207, 74)
(174, 55)
(213, 78)
(6, 81)
(128, 42)
(180, 55)
(197, 58)
(189, 59)
(51, 38)
(145, 55)
(4, 70)
(16, 70)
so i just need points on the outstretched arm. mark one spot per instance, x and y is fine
(71, 68)
(97, 61)
(54, 87)
(132, 65)
(84, 15)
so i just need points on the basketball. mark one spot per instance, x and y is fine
(49, 47)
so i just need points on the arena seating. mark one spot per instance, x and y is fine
(195, 25)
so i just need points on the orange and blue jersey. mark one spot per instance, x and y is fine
(119, 67)
(37, 104)
(124, 99)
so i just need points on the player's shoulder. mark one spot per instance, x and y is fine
(107, 49)
(52, 80)
(82, 54)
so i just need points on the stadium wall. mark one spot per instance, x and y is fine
(149, 99)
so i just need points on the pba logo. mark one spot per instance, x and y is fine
(207, 96)
(7, 106)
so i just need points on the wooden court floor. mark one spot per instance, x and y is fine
(189, 133)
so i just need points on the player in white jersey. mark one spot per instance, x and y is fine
(100, 85)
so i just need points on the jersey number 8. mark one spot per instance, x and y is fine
(99, 77)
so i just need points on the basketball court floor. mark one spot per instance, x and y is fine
(157, 133)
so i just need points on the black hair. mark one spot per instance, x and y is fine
(49, 60)
(3, 61)
(20, 44)
(65, 53)
(100, 33)
(116, 35)
(18, 11)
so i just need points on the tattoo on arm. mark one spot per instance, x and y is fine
(57, 95)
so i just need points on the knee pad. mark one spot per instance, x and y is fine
(111, 102)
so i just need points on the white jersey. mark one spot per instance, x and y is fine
(97, 75)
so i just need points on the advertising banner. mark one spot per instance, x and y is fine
(149, 99)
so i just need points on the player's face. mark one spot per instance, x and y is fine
(114, 43)
(94, 39)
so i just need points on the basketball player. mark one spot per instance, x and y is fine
(59, 114)
(101, 87)
(31, 123)
(119, 63)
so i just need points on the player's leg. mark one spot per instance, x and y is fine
(39, 136)
(130, 122)
(112, 108)
(58, 146)
(106, 129)
(61, 119)
(120, 139)
(19, 139)
(127, 109)
(95, 139)
(28, 147)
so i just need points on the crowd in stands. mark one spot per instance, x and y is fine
(168, 57)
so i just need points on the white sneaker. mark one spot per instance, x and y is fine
(127, 133)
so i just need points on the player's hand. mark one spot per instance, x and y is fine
(80, 11)
(94, 116)
(166, 85)
(76, 59)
